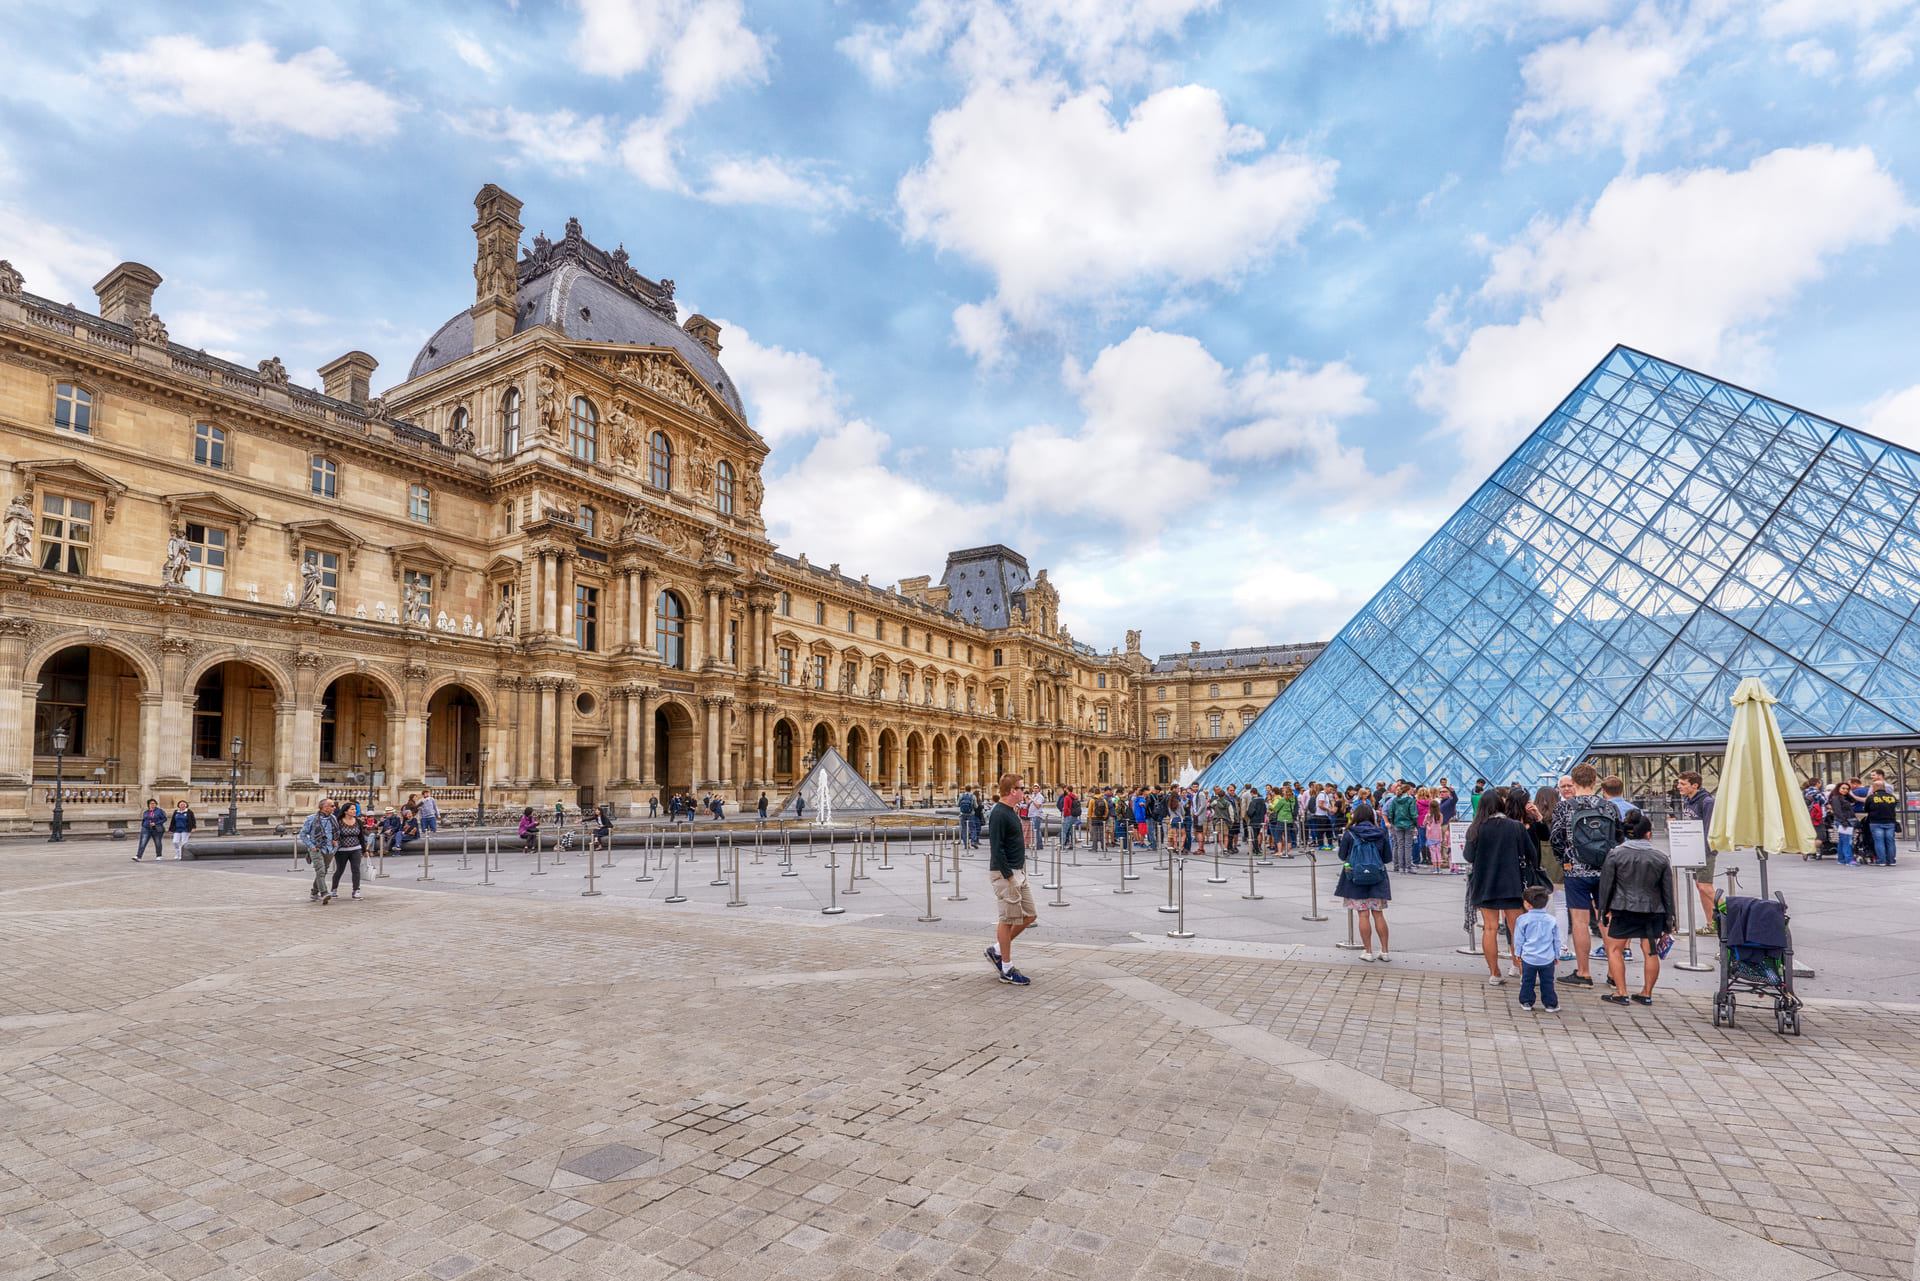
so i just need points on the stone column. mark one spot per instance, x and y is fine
(710, 755)
(412, 765)
(630, 736)
(391, 753)
(726, 741)
(563, 619)
(549, 573)
(285, 718)
(544, 734)
(649, 598)
(757, 742)
(150, 701)
(17, 694)
(563, 741)
(304, 728)
(646, 738)
(172, 761)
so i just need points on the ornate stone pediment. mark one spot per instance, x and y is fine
(325, 533)
(213, 508)
(420, 555)
(71, 473)
(663, 374)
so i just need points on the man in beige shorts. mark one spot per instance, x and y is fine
(1007, 874)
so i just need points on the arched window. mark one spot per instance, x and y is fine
(459, 424)
(583, 430)
(670, 630)
(73, 408)
(723, 489)
(510, 421)
(660, 461)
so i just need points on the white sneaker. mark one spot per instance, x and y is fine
(1496, 982)
(356, 893)
(1366, 956)
(1383, 956)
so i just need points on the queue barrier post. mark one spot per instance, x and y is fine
(592, 890)
(1350, 943)
(1683, 884)
(719, 872)
(1170, 907)
(646, 850)
(853, 864)
(1313, 889)
(930, 856)
(1059, 882)
(426, 858)
(833, 907)
(786, 851)
(739, 898)
(1252, 893)
(1180, 930)
(381, 874)
(676, 896)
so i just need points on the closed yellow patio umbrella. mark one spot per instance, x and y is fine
(1760, 805)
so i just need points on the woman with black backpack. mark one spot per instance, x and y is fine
(1364, 883)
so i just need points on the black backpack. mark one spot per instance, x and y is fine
(1592, 835)
(1365, 865)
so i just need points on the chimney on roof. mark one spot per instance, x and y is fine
(126, 293)
(706, 331)
(496, 278)
(349, 378)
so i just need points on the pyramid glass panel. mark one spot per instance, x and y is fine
(1659, 537)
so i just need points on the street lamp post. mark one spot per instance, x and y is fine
(480, 807)
(59, 832)
(231, 827)
(373, 752)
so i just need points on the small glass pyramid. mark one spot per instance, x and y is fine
(833, 781)
(1658, 537)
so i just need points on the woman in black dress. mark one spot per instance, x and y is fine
(1499, 849)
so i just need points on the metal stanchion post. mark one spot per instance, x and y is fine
(1054, 884)
(956, 896)
(1351, 944)
(1126, 866)
(929, 916)
(539, 855)
(1313, 889)
(833, 907)
(853, 863)
(940, 861)
(1219, 877)
(786, 852)
(1169, 907)
(486, 860)
(1059, 882)
(1470, 947)
(1251, 893)
(607, 853)
(463, 848)
(1180, 930)
(426, 859)
(592, 890)
(1683, 884)
(886, 851)
(739, 899)
(676, 896)
(381, 873)
(296, 855)
(719, 872)
(646, 848)
(860, 849)
(1123, 878)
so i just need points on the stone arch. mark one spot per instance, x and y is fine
(123, 647)
(822, 736)
(226, 703)
(201, 664)
(916, 759)
(95, 694)
(886, 757)
(675, 731)
(859, 745)
(454, 712)
(383, 679)
(786, 750)
(1002, 760)
(962, 759)
(481, 692)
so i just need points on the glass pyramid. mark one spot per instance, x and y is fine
(1657, 538)
(844, 790)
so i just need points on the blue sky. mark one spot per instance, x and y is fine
(1215, 311)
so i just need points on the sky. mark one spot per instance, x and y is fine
(1214, 311)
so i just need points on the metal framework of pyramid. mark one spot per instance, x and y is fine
(1657, 538)
(847, 790)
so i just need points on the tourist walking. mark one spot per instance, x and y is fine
(1403, 816)
(180, 825)
(763, 807)
(1364, 885)
(153, 827)
(350, 846)
(1497, 852)
(969, 820)
(1536, 945)
(1583, 831)
(319, 836)
(429, 810)
(1069, 815)
(1635, 899)
(1284, 812)
(1007, 874)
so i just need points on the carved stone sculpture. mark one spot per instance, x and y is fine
(623, 433)
(406, 603)
(179, 560)
(332, 608)
(547, 402)
(360, 612)
(273, 373)
(700, 468)
(873, 683)
(754, 489)
(253, 592)
(288, 597)
(638, 524)
(503, 616)
(710, 543)
(150, 329)
(380, 611)
(18, 535)
(466, 624)
(10, 278)
(460, 436)
(444, 623)
(309, 585)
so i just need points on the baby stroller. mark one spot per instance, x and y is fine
(1756, 957)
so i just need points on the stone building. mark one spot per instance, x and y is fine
(1193, 705)
(536, 567)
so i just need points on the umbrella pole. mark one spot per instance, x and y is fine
(1761, 854)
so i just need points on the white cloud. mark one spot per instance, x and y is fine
(788, 393)
(558, 140)
(1606, 88)
(1896, 416)
(1296, 412)
(1003, 40)
(765, 180)
(1882, 55)
(1059, 200)
(252, 90)
(1798, 17)
(1688, 265)
(473, 53)
(58, 263)
(1812, 57)
(1379, 19)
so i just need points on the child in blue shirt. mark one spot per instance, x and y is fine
(1536, 945)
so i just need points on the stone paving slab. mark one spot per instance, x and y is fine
(449, 1085)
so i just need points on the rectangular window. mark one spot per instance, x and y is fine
(509, 515)
(1213, 725)
(1160, 725)
(589, 521)
(851, 625)
(419, 504)
(1163, 693)
(207, 559)
(820, 612)
(819, 671)
(786, 666)
(998, 657)
(1246, 687)
(329, 565)
(1100, 720)
(416, 585)
(733, 641)
(325, 477)
(1246, 719)
(1100, 681)
(73, 408)
(209, 445)
(66, 533)
(786, 604)
(586, 617)
(930, 644)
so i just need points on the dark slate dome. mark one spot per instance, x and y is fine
(587, 294)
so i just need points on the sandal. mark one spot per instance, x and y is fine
(1612, 999)
(1637, 999)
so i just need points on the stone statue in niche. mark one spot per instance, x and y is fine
(332, 607)
(547, 395)
(754, 489)
(700, 468)
(309, 585)
(460, 436)
(873, 683)
(639, 523)
(10, 278)
(503, 616)
(179, 560)
(444, 623)
(710, 543)
(623, 432)
(406, 603)
(360, 612)
(18, 532)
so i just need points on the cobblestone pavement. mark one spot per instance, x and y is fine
(203, 1076)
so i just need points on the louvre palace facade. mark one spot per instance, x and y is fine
(533, 570)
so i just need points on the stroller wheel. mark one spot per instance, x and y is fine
(1723, 1011)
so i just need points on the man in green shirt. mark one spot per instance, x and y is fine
(1007, 874)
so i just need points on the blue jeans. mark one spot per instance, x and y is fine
(429, 823)
(1843, 837)
(1156, 828)
(970, 828)
(1882, 843)
(150, 834)
(1066, 832)
(1543, 975)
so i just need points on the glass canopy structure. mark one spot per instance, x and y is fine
(1661, 535)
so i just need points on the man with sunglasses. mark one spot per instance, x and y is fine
(1007, 874)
